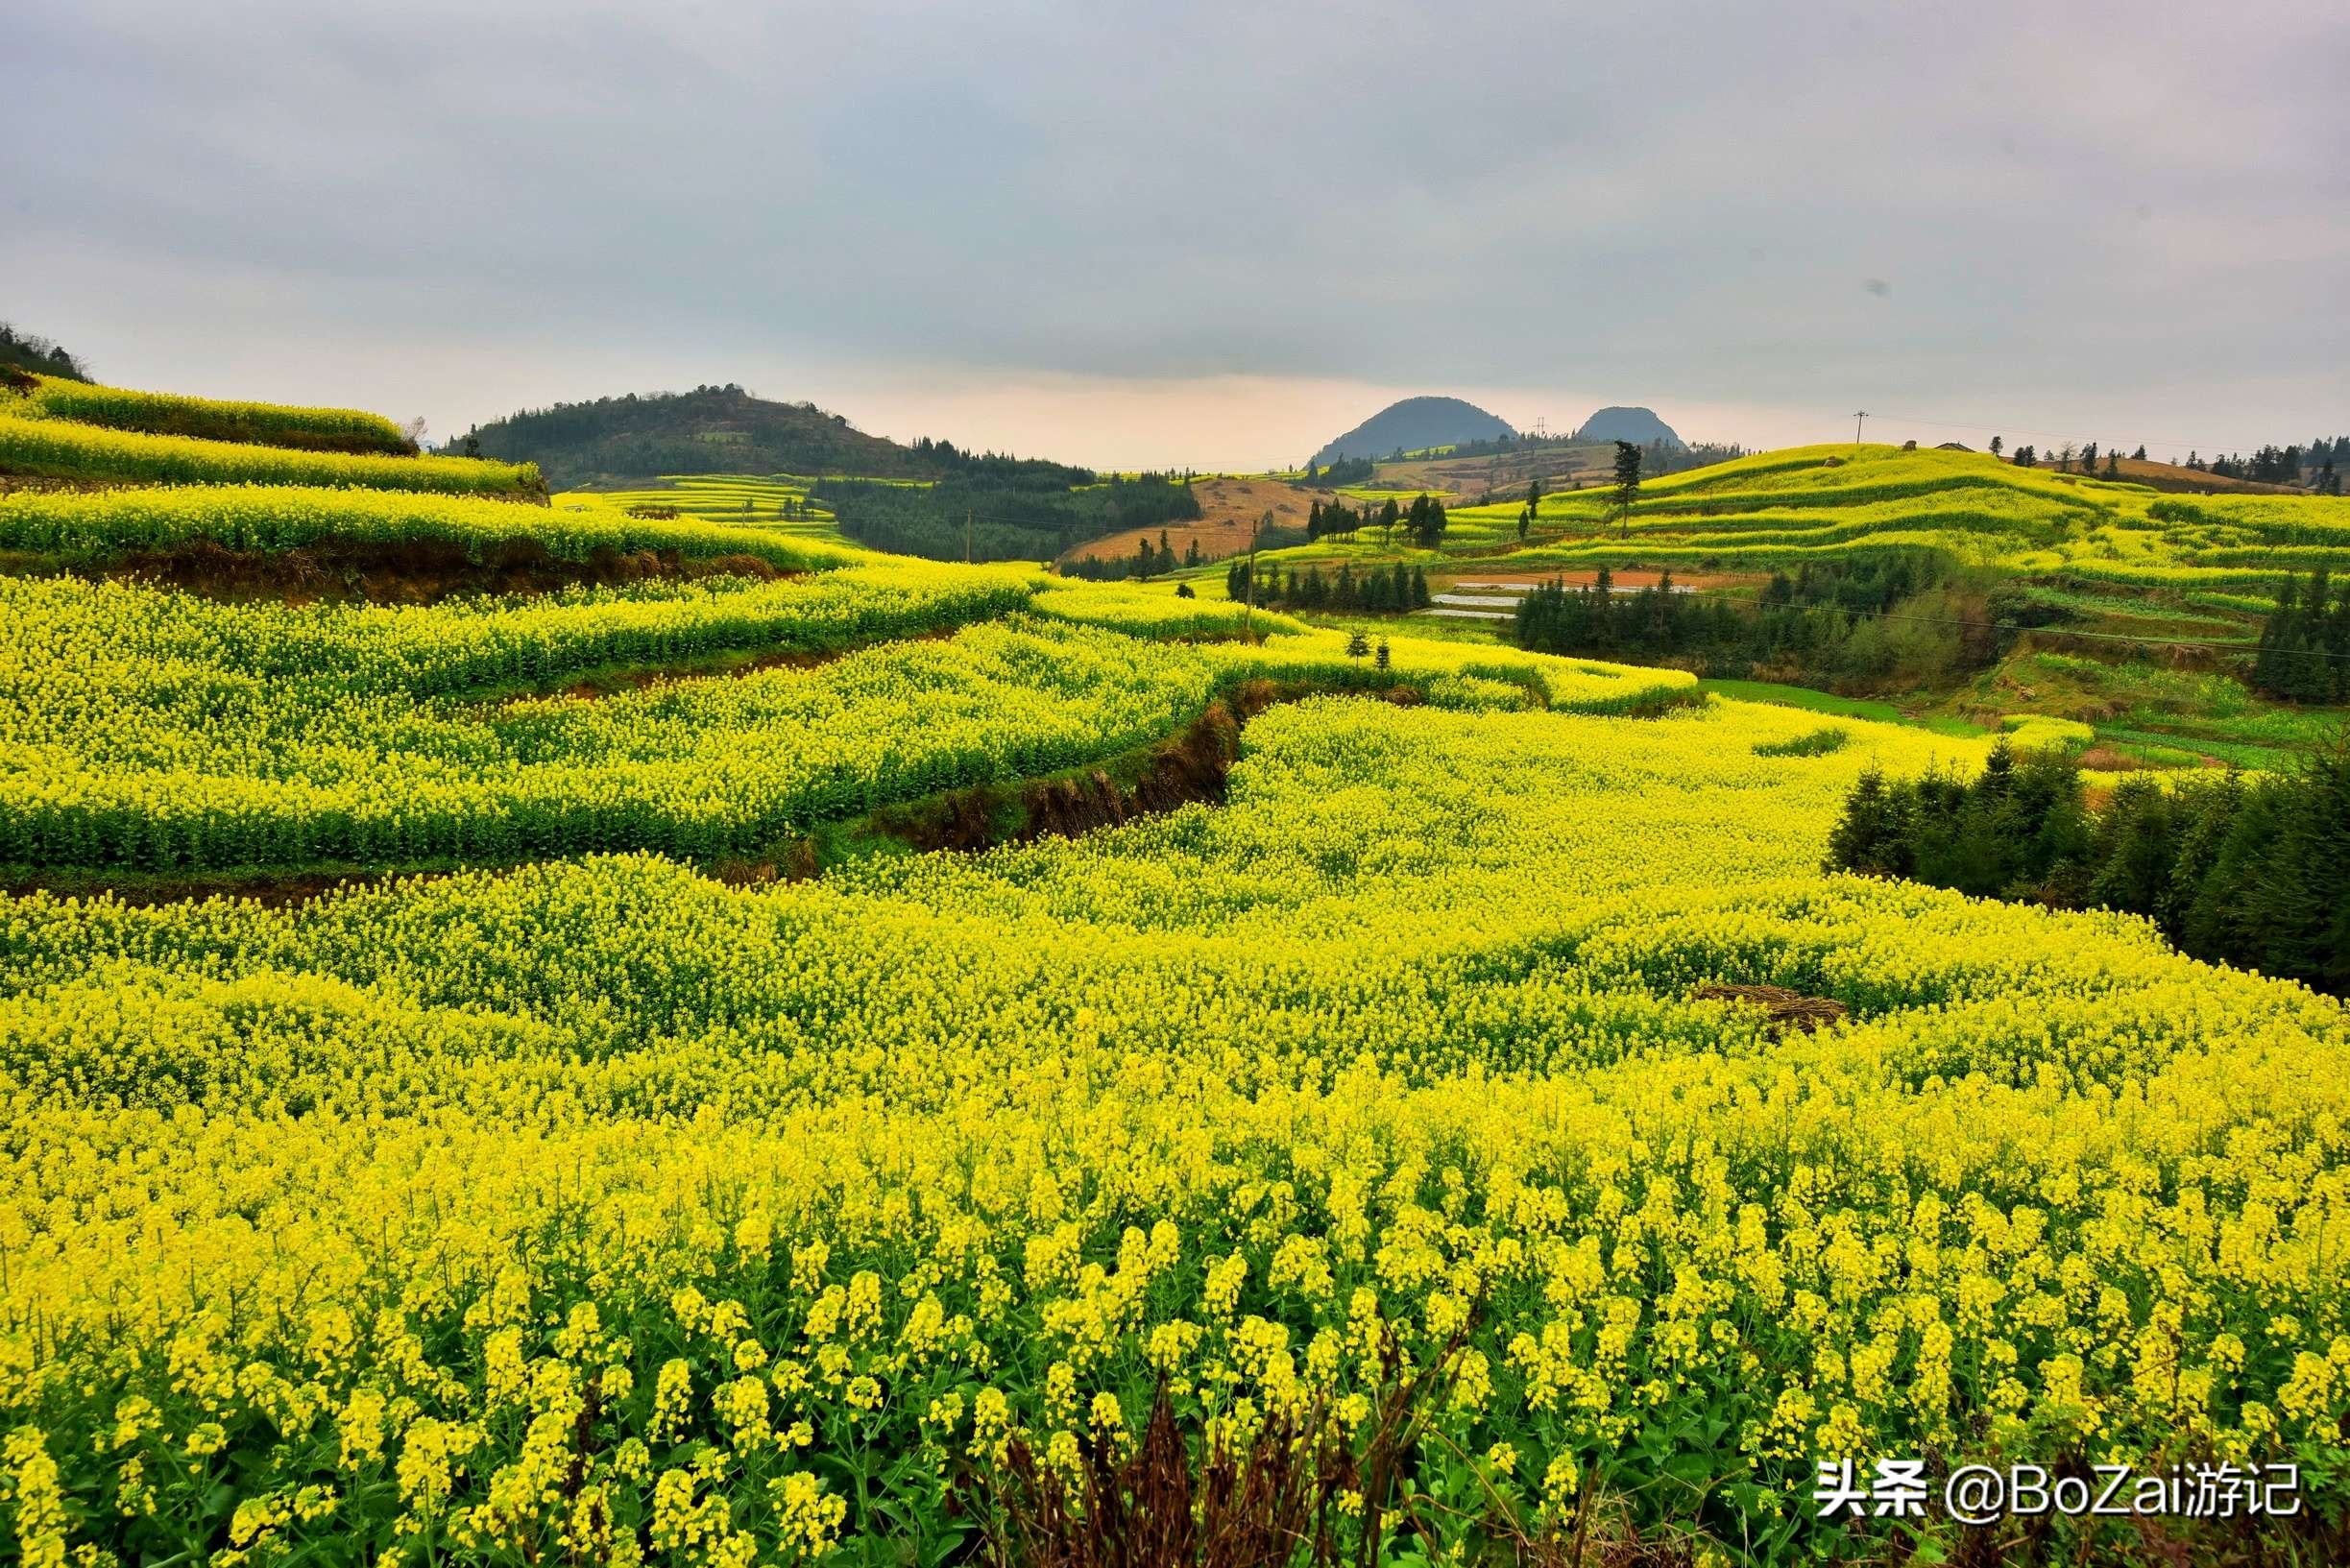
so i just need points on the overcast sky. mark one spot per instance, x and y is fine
(1212, 234)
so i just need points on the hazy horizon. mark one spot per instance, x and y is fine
(1132, 237)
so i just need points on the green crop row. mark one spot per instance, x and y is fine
(162, 730)
(274, 518)
(64, 628)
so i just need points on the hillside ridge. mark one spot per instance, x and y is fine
(711, 429)
(1414, 424)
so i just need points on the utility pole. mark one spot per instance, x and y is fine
(1857, 418)
(1248, 619)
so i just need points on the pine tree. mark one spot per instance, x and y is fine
(1381, 657)
(1872, 835)
(1626, 480)
(2276, 635)
(2308, 673)
(1358, 646)
(2136, 847)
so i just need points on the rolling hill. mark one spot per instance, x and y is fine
(1416, 424)
(712, 430)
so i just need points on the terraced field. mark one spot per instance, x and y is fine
(71, 433)
(780, 503)
(1777, 509)
(623, 1132)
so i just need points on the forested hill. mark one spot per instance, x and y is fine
(27, 352)
(712, 430)
(1413, 425)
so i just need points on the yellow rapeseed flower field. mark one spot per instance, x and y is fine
(159, 731)
(593, 1208)
(598, 1209)
(213, 418)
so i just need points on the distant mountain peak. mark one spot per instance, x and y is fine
(1638, 426)
(1413, 425)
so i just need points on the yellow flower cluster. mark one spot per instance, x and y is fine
(602, 1210)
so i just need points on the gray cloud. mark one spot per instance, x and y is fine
(2093, 211)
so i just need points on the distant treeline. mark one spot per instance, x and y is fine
(1148, 561)
(1864, 619)
(2304, 650)
(2249, 871)
(1423, 521)
(1003, 509)
(27, 352)
(1491, 445)
(1658, 458)
(1387, 588)
(2320, 465)
(945, 457)
(1345, 470)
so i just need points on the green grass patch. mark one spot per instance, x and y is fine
(1827, 702)
(1819, 742)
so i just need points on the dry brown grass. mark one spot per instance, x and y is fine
(1228, 506)
(2170, 476)
(1782, 1009)
(1454, 479)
